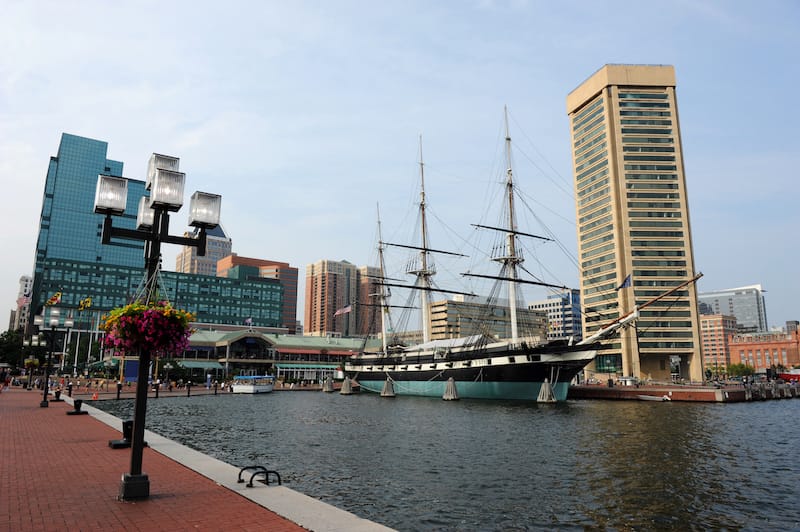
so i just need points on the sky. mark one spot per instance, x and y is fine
(306, 117)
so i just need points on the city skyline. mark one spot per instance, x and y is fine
(303, 117)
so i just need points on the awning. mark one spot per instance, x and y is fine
(306, 366)
(201, 364)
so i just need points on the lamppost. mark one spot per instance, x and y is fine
(165, 184)
(167, 367)
(30, 361)
(53, 322)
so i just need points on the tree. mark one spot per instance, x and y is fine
(740, 370)
(10, 347)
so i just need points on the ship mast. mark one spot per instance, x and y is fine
(424, 272)
(382, 295)
(510, 260)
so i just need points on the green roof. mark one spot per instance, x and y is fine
(289, 341)
(204, 364)
(306, 366)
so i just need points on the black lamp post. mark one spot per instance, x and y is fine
(30, 361)
(54, 321)
(165, 184)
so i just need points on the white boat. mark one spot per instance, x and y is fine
(253, 384)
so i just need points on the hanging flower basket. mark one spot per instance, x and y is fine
(154, 328)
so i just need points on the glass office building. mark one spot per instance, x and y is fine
(213, 299)
(71, 258)
(68, 227)
(745, 303)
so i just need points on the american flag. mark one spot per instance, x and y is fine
(344, 310)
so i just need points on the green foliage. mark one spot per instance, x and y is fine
(10, 347)
(740, 370)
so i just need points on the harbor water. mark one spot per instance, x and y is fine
(418, 464)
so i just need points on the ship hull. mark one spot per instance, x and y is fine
(516, 374)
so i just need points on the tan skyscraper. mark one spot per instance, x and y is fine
(331, 298)
(633, 220)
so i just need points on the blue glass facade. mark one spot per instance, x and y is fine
(68, 227)
(71, 258)
(213, 299)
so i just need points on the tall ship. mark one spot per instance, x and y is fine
(523, 366)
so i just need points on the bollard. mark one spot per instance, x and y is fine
(127, 436)
(57, 395)
(157, 387)
(69, 389)
(188, 389)
(215, 387)
(119, 389)
(77, 405)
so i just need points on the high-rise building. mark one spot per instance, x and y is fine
(369, 301)
(563, 314)
(634, 235)
(746, 304)
(715, 333)
(73, 264)
(23, 307)
(462, 316)
(233, 266)
(68, 227)
(331, 298)
(218, 246)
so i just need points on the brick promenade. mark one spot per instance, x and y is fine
(58, 473)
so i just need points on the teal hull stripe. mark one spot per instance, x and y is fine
(526, 391)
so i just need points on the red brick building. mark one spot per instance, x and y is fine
(715, 333)
(765, 350)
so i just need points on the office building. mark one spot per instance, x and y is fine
(634, 233)
(213, 299)
(23, 306)
(218, 246)
(715, 333)
(73, 264)
(68, 228)
(233, 266)
(332, 299)
(563, 314)
(369, 301)
(746, 304)
(463, 316)
(766, 351)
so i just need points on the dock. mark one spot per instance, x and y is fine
(722, 393)
(59, 473)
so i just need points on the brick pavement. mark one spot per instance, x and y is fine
(57, 472)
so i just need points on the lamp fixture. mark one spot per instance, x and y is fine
(204, 210)
(111, 195)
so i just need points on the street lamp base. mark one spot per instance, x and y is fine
(44, 404)
(134, 487)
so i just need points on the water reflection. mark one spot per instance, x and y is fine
(425, 464)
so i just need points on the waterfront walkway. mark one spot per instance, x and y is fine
(57, 472)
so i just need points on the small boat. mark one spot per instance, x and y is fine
(653, 398)
(253, 384)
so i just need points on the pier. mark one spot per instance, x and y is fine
(722, 393)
